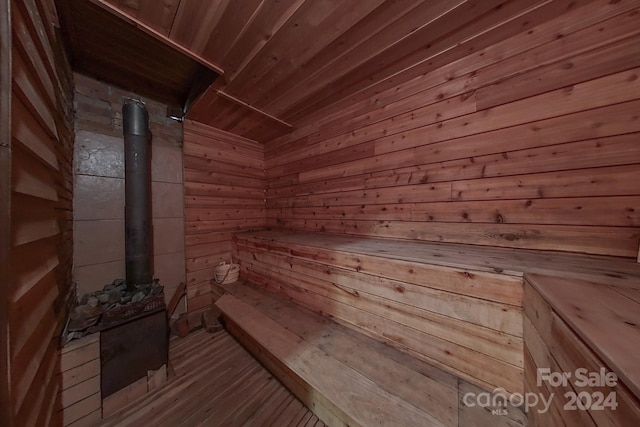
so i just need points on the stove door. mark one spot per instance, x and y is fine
(129, 350)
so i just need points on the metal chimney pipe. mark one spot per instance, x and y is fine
(137, 166)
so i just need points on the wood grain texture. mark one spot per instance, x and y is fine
(216, 382)
(454, 318)
(224, 193)
(357, 52)
(41, 201)
(458, 158)
(433, 394)
(400, 375)
(456, 77)
(359, 404)
(5, 206)
(80, 381)
(593, 323)
(453, 305)
(560, 346)
(351, 49)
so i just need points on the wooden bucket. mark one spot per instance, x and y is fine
(226, 273)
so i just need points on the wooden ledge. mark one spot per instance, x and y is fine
(624, 272)
(605, 317)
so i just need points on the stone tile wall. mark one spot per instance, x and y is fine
(99, 189)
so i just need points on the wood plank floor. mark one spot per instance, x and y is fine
(216, 383)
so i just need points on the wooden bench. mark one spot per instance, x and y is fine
(571, 325)
(458, 307)
(345, 377)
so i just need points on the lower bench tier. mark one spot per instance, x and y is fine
(346, 378)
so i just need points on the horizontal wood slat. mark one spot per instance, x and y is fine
(41, 199)
(373, 402)
(216, 381)
(450, 317)
(452, 305)
(434, 396)
(528, 142)
(563, 338)
(79, 395)
(224, 193)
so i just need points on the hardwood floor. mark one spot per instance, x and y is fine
(216, 383)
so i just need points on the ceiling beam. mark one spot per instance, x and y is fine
(250, 107)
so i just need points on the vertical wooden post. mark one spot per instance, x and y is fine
(5, 206)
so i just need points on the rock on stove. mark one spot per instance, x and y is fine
(83, 317)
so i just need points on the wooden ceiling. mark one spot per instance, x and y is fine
(108, 48)
(285, 60)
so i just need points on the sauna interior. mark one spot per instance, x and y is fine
(427, 213)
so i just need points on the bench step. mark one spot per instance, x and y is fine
(572, 325)
(345, 377)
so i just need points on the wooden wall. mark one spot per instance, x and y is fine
(80, 396)
(5, 202)
(41, 213)
(531, 142)
(224, 193)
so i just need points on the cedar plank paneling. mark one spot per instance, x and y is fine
(319, 23)
(548, 162)
(443, 23)
(600, 122)
(41, 203)
(445, 40)
(555, 342)
(266, 22)
(616, 241)
(194, 20)
(235, 20)
(529, 31)
(224, 193)
(381, 28)
(447, 316)
(6, 412)
(618, 56)
(456, 77)
(585, 154)
(353, 51)
(159, 17)
(454, 306)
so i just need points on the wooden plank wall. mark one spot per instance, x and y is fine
(41, 212)
(531, 142)
(5, 202)
(224, 193)
(80, 396)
